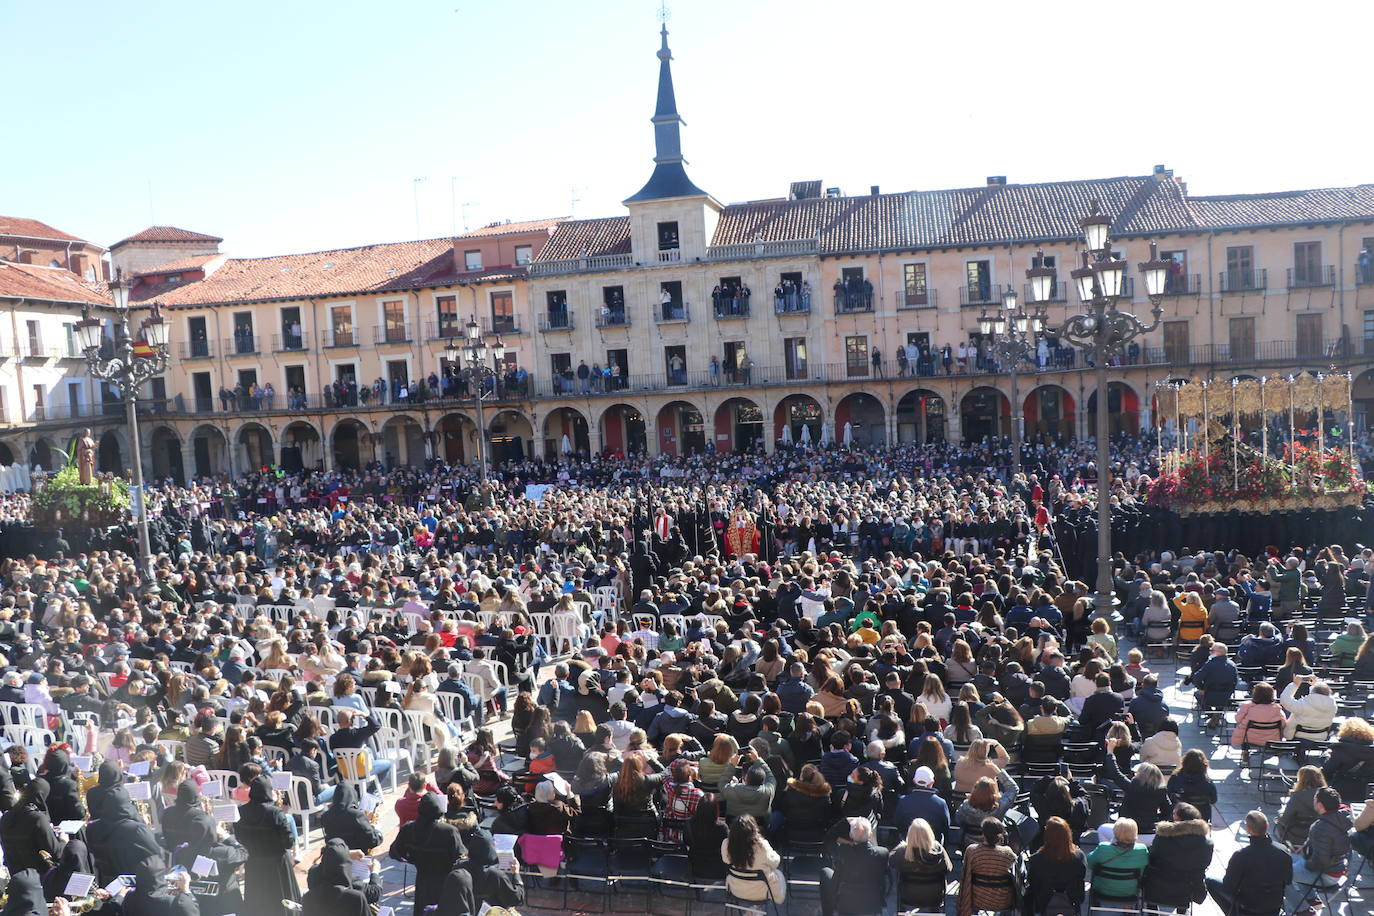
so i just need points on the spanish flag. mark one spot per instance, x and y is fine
(143, 349)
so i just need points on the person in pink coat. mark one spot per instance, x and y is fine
(1258, 721)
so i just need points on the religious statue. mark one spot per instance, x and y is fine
(85, 458)
(742, 535)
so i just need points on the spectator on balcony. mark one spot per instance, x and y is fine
(715, 371)
(947, 359)
(269, 395)
(665, 300)
(806, 295)
(613, 375)
(583, 376)
(902, 361)
(1366, 265)
(877, 362)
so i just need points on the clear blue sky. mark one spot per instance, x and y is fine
(300, 125)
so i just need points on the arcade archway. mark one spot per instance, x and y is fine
(865, 417)
(352, 445)
(300, 447)
(1049, 414)
(164, 455)
(255, 447)
(984, 412)
(403, 442)
(509, 433)
(681, 429)
(109, 455)
(921, 417)
(210, 451)
(802, 415)
(456, 438)
(738, 425)
(565, 431)
(1123, 409)
(622, 430)
(1362, 394)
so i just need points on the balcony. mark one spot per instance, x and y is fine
(340, 337)
(1059, 292)
(750, 250)
(288, 343)
(669, 256)
(390, 334)
(850, 302)
(445, 329)
(243, 343)
(905, 299)
(1243, 280)
(607, 317)
(1310, 277)
(1364, 274)
(558, 320)
(196, 349)
(793, 303)
(1183, 285)
(32, 349)
(457, 394)
(670, 313)
(983, 294)
(581, 265)
(727, 307)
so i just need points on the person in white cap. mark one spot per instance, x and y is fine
(923, 802)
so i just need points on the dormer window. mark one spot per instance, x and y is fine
(472, 260)
(174, 278)
(524, 254)
(668, 237)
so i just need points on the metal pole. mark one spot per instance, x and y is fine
(1104, 508)
(145, 547)
(481, 433)
(1016, 418)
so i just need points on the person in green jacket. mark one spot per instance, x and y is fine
(1124, 854)
(1347, 645)
(1287, 586)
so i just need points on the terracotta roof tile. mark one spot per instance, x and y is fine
(51, 284)
(587, 238)
(529, 225)
(345, 271)
(32, 228)
(1285, 207)
(167, 234)
(195, 262)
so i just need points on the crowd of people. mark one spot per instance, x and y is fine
(885, 664)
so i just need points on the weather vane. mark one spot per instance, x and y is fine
(663, 13)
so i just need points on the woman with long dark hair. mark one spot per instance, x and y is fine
(745, 849)
(1059, 867)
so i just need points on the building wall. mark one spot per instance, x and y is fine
(137, 257)
(81, 258)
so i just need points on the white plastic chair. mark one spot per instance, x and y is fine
(391, 746)
(300, 788)
(32, 739)
(347, 761)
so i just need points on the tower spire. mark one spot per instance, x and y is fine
(669, 178)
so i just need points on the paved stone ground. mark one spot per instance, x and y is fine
(1238, 794)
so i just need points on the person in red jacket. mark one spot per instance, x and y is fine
(408, 805)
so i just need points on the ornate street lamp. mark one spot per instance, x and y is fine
(1010, 334)
(1105, 330)
(471, 356)
(129, 369)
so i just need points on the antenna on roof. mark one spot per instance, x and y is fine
(664, 14)
(415, 189)
(466, 204)
(573, 200)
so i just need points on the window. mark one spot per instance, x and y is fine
(556, 305)
(619, 360)
(914, 285)
(675, 363)
(667, 237)
(1177, 281)
(341, 325)
(38, 410)
(560, 364)
(295, 380)
(794, 357)
(69, 332)
(1307, 263)
(503, 313)
(1176, 341)
(248, 378)
(734, 362)
(35, 338)
(291, 335)
(853, 293)
(446, 313)
(613, 305)
(244, 339)
(1242, 335)
(1364, 262)
(978, 277)
(524, 254)
(1052, 262)
(1369, 331)
(791, 294)
(198, 336)
(394, 320)
(174, 278)
(4, 397)
(472, 260)
(670, 305)
(1240, 268)
(74, 398)
(202, 391)
(1309, 329)
(856, 356)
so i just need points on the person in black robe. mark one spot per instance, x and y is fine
(458, 898)
(75, 860)
(331, 891)
(218, 894)
(108, 777)
(432, 847)
(346, 821)
(26, 833)
(121, 843)
(64, 798)
(176, 820)
(25, 894)
(263, 830)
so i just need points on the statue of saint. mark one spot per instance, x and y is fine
(85, 458)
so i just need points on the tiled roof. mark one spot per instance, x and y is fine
(345, 271)
(32, 228)
(51, 284)
(587, 238)
(167, 234)
(1321, 205)
(529, 225)
(996, 214)
(195, 262)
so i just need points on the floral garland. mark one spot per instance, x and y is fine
(1306, 477)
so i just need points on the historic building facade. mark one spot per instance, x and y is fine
(688, 324)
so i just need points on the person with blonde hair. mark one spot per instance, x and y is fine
(1118, 866)
(936, 700)
(717, 768)
(985, 757)
(922, 866)
(1101, 636)
(1351, 757)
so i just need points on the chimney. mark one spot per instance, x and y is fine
(873, 189)
(997, 181)
(1163, 174)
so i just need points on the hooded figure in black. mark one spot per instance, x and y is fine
(26, 833)
(201, 838)
(176, 820)
(432, 846)
(332, 892)
(64, 798)
(25, 894)
(8, 795)
(345, 820)
(263, 830)
(108, 778)
(123, 844)
(458, 898)
(75, 859)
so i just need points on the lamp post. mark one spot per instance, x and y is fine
(1105, 330)
(471, 355)
(129, 369)
(1011, 334)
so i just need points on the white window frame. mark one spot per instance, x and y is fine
(352, 307)
(405, 317)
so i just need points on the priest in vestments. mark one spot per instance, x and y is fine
(742, 534)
